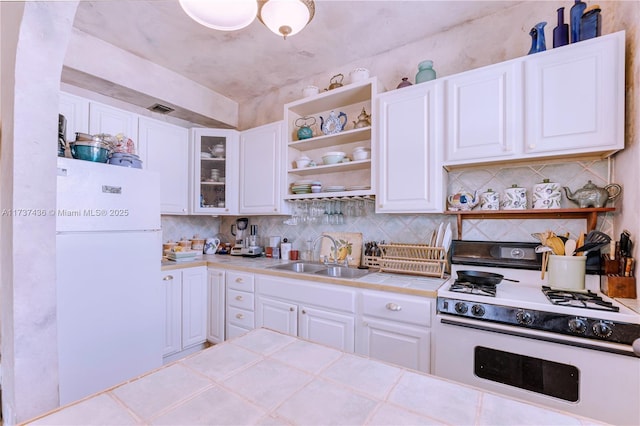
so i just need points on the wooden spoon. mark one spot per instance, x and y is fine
(569, 247)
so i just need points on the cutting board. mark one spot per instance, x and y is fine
(349, 245)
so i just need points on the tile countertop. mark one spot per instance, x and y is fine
(399, 283)
(265, 377)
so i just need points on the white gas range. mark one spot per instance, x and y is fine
(513, 339)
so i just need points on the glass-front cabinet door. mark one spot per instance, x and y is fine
(215, 171)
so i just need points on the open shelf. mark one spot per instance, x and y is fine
(324, 141)
(590, 214)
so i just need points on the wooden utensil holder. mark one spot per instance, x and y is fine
(618, 286)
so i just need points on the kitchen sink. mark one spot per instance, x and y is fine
(320, 269)
(342, 272)
(301, 267)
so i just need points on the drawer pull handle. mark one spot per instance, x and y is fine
(168, 278)
(393, 306)
(239, 316)
(238, 280)
(238, 297)
(291, 309)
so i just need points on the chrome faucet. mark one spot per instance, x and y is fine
(335, 247)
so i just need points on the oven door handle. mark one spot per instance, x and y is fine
(634, 352)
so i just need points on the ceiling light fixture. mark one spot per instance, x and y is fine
(283, 17)
(223, 15)
(286, 17)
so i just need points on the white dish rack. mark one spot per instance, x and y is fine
(413, 259)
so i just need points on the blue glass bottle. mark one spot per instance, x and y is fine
(561, 31)
(537, 38)
(590, 23)
(575, 18)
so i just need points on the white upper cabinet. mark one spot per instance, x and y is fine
(261, 170)
(164, 148)
(214, 172)
(567, 101)
(110, 120)
(484, 113)
(575, 98)
(410, 174)
(76, 111)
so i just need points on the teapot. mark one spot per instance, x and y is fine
(463, 200)
(333, 124)
(364, 120)
(336, 81)
(304, 131)
(591, 195)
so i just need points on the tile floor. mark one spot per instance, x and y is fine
(268, 378)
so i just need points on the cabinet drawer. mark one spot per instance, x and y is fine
(240, 281)
(397, 307)
(240, 299)
(240, 317)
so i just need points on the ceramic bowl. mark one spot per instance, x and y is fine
(333, 157)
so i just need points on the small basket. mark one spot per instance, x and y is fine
(415, 259)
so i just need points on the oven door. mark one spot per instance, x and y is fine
(587, 382)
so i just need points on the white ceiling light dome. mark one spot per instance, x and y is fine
(224, 15)
(286, 17)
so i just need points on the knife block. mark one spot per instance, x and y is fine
(618, 286)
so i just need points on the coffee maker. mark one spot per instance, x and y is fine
(238, 230)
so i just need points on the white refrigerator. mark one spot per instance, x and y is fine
(108, 247)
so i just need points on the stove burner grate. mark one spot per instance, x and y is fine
(578, 299)
(470, 288)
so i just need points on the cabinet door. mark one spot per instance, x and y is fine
(214, 175)
(396, 343)
(215, 328)
(261, 170)
(575, 97)
(76, 111)
(172, 284)
(277, 315)
(483, 113)
(194, 306)
(110, 120)
(164, 148)
(328, 328)
(411, 177)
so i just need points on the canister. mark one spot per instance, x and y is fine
(546, 195)
(285, 248)
(566, 272)
(490, 200)
(515, 198)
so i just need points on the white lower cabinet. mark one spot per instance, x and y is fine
(240, 303)
(216, 326)
(322, 313)
(186, 308)
(395, 328)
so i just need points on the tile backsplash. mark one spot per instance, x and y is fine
(417, 228)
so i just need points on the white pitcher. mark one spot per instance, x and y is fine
(211, 245)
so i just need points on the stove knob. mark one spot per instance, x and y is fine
(524, 317)
(461, 308)
(477, 310)
(578, 325)
(601, 329)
